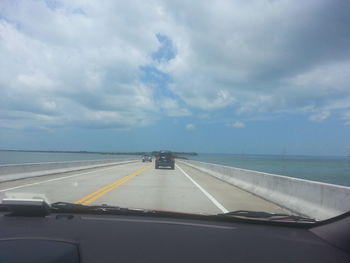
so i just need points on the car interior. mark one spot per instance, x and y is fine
(69, 234)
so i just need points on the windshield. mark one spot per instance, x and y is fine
(237, 108)
(164, 155)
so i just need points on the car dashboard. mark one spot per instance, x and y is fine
(75, 237)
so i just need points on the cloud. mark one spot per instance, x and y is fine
(172, 108)
(237, 124)
(346, 117)
(288, 57)
(83, 63)
(320, 117)
(190, 127)
(60, 67)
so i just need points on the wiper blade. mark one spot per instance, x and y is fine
(39, 207)
(267, 216)
(71, 207)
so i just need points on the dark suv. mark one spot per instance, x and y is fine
(165, 158)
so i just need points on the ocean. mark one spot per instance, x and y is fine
(18, 157)
(333, 170)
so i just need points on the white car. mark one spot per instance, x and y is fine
(146, 158)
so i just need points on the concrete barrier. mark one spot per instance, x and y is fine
(10, 172)
(313, 199)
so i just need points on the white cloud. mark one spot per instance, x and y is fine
(320, 117)
(78, 62)
(190, 127)
(76, 68)
(346, 117)
(267, 64)
(173, 109)
(237, 124)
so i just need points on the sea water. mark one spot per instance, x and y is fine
(329, 169)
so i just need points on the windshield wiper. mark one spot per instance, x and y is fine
(71, 207)
(267, 216)
(38, 207)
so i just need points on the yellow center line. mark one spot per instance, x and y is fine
(104, 190)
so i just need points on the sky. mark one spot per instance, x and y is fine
(258, 77)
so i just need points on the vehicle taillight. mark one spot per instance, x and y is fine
(157, 158)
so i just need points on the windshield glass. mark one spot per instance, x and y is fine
(181, 106)
(164, 155)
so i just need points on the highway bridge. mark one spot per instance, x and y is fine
(140, 185)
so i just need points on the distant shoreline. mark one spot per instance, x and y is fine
(88, 152)
(243, 155)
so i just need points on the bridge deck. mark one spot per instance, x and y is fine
(140, 185)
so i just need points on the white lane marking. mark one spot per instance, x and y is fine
(51, 180)
(210, 197)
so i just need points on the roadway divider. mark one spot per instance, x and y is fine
(10, 172)
(313, 199)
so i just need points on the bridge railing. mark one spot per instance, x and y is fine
(11, 172)
(314, 199)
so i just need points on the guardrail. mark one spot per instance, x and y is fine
(10, 172)
(310, 198)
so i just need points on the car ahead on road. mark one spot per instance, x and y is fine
(147, 158)
(165, 159)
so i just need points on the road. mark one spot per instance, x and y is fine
(140, 185)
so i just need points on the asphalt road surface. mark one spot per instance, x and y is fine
(140, 185)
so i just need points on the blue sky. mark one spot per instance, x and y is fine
(264, 77)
